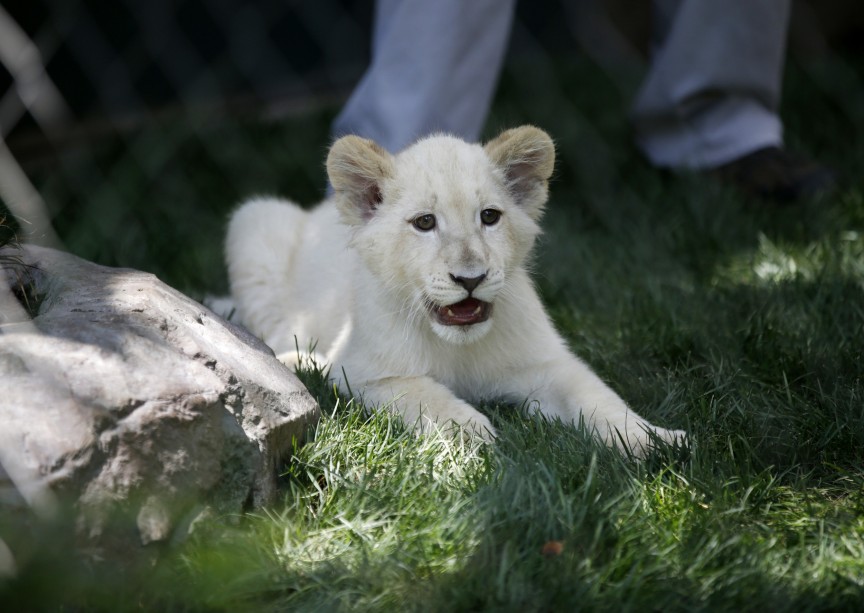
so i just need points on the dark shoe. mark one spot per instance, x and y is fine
(775, 174)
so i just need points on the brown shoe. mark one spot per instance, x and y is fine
(775, 174)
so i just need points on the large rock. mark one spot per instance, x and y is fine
(137, 405)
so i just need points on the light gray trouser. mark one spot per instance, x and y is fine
(710, 96)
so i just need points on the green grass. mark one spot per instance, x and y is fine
(740, 321)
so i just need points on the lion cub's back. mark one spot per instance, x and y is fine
(289, 273)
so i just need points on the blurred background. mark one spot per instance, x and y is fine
(138, 126)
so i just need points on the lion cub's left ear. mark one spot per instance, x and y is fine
(527, 157)
(357, 167)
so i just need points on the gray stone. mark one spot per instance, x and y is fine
(137, 405)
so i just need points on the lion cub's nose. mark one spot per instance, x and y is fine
(469, 283)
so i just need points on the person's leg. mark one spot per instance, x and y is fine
(434, 68)
(713, 90)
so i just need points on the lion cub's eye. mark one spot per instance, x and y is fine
(490, 217)
(424, 223)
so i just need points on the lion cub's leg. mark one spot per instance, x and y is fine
(568, 389)
(425, 404)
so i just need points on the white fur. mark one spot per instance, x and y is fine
(359, 289)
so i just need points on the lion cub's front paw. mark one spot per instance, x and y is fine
(464, 420)
(673, 436)
(478, 426)
(641, 440)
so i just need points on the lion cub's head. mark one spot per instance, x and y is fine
(443, 224)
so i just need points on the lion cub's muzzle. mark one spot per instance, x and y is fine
(467, 311)
(463, 313)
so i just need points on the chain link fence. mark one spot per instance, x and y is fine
(132, 128)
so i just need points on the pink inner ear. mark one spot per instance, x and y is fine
(371, 198)
(522, 177)
(518, 172)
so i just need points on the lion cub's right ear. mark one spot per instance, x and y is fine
(356, 168)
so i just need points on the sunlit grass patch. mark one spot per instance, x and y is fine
(777, 262)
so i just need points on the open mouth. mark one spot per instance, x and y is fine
(464, 313)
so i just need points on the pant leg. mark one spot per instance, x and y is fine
(713, 89)
(435, 64)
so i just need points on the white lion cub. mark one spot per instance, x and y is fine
(411, 281)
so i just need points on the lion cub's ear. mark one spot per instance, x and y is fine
(356, 168)
(527, 157)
